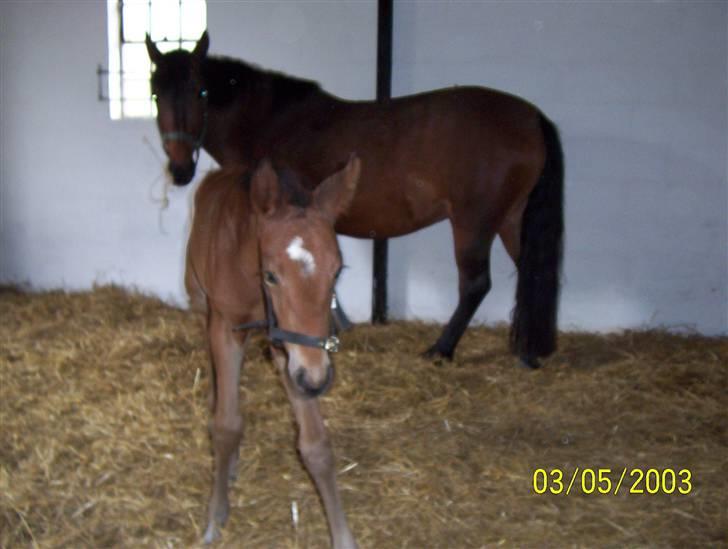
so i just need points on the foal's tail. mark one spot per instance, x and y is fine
(533, 332)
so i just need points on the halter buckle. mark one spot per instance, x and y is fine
(330, 344)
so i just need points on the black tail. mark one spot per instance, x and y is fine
(533, 332)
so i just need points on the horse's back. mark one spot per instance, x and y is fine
(423, 156)
(510, 111)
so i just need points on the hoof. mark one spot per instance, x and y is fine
(437, 356)
(529, 362)
(218, 517)
(211, 534)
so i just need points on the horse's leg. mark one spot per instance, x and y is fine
(212, 389)
(315, 450)
(472, 255)
(226, 426)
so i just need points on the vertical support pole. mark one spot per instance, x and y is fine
(384, 91)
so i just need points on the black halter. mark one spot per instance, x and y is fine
(277, 336)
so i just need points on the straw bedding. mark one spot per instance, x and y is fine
(104, 442)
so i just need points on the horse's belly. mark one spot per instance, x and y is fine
(386, 211)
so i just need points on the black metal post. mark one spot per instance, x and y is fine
(384, 92)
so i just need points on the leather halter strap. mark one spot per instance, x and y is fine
(278, 336)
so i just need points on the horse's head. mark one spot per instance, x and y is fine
(181, 97)
(300, 261)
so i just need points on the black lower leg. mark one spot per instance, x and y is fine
(472, 293)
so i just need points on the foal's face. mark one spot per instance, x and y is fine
(300, 261)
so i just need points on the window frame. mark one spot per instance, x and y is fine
(124, 82)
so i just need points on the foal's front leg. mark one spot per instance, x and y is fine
(317, 456)
(226, 426)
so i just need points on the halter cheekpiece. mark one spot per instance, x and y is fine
(277, 336)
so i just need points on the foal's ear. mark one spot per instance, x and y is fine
(264, 189)
(154, 54)
(202, 46)
(334, 195)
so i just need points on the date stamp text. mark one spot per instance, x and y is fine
(611, 481)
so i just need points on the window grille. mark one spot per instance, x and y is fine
(172, 24)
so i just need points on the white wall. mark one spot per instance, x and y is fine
(638, 90)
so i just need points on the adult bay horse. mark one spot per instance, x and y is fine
(264, 246)
(487, 161)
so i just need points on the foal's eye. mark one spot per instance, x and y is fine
(203, 93)
(269, 278)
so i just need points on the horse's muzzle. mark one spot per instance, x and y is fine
(181, 174)
(312, 391)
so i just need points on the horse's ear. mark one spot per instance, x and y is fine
(154, 54)
(334, 195)
(202, 46)
(265, 190)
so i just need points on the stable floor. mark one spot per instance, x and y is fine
(104, 440)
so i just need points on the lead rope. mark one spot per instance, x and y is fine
(163, 201)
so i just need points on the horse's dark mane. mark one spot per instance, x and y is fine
(226, 78)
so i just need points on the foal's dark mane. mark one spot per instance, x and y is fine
(293, 190)
(226, 78)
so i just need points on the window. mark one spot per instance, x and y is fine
(172, 24)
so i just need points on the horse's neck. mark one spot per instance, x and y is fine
(222, 204)
(245, 103)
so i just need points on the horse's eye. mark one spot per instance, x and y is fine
(269, 278)
(203, 93)
(155, 97)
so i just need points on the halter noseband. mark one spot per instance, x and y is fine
(195, 142)
(277, 336)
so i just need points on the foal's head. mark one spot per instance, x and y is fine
(181, 97)
(300, 261)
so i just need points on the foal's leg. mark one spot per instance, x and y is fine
(226, 426)
(472, 255)
(317, 456)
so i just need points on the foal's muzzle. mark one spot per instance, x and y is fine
(312, 391)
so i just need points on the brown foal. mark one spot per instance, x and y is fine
(263, 246)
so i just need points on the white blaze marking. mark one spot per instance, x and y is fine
(297, 252)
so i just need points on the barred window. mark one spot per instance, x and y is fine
(172, 24)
